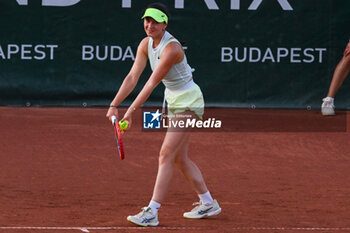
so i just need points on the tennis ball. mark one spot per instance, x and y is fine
(123, 125)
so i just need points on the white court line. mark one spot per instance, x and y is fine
(86, 229)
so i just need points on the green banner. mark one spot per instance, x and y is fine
(254, 53)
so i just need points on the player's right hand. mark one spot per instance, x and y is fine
(112, 111)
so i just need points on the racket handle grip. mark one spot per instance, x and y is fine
(114, 119)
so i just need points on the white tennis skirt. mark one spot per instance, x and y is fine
(189, 97)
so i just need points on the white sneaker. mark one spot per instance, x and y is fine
(145, 218)
(201, 210)
(327, 107)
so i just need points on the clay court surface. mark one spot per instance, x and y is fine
(59, 172)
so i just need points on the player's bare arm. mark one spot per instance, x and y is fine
(171, 55)
(131, 79)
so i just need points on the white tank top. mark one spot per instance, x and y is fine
(179, 74)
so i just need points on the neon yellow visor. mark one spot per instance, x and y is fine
(156, 14)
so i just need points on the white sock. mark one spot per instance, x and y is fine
(330, 99)
(206, 198)
(154, 206)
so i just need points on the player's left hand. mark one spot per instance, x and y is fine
(128, 117)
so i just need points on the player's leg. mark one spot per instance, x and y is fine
(341, 72)
(190, 170)
(173, 141)
(207, 206)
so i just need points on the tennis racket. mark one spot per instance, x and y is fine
(118, 137)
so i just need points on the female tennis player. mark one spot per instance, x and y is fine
(184, 97)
